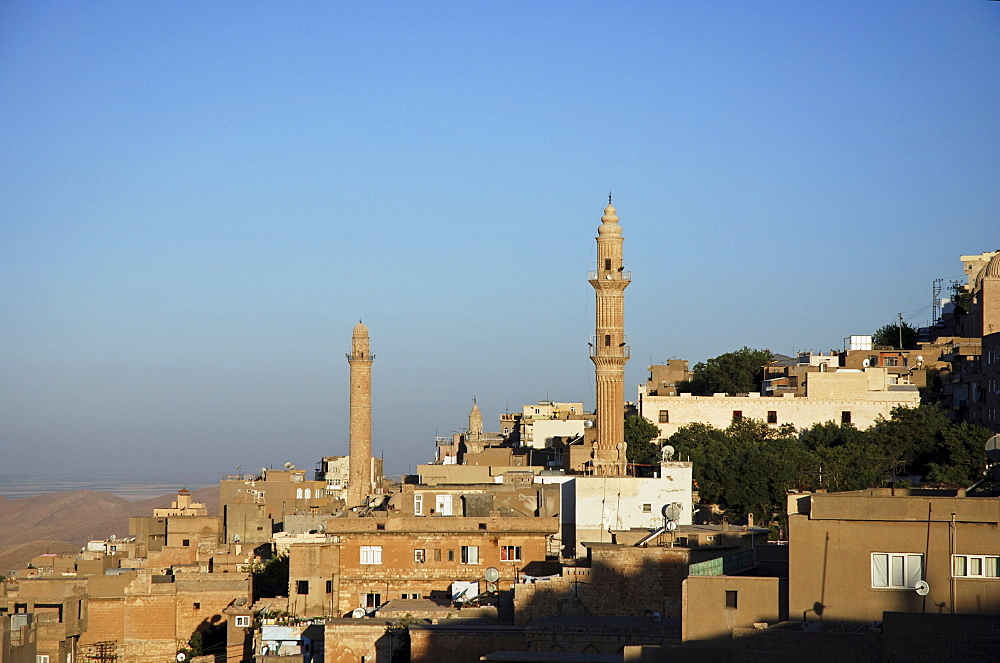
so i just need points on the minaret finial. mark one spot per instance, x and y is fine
(609, 197)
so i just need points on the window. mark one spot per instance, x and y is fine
(329, 587)
(309, 493)
(975, 566)
(186, 542)
(737, 415)
(437, 554)
(772, 416)
(301, 586)
(444, 505)
(897, 570)
(730, 598)
(420, 555)
(373, 600)
(243, 621)
(371, 554)
(470, 554)
(482, 525)
(510, 553)
(418, 505)
(42, 658)
(664, 416)
(298, 493)
(197, 606)
(890, 361)
(647, 507)
(607, 264)
(451, 555)
(607, 340)
(845, 417)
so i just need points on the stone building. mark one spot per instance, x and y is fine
(857, 397)
(53, 611)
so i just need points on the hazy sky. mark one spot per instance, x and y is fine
(198, 201)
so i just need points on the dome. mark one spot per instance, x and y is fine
(360, 329)
(609, 222)
(992, 269)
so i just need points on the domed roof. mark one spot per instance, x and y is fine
(609, 222)
(992, 269)
(360, 329)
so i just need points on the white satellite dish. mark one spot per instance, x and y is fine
(491, 587)
(668, 452)
(922, 588)
(866, 363)
(181, 657)
(993, 449)
(358, 613)
(492, 574)
(588, 423)
(671, 525)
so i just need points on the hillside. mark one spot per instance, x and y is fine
(64, 521)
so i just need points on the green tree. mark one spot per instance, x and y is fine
(271, 579)
(889, 336)
(639, 435)
(735, 372)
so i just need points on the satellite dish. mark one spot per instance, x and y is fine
(993, 449)
(866, 363)
(668, 452)
(671, 525)
(922, 588)
(920, 359)
(492, 574)
(672, 511)
(181, 657)
(588, 423)
(358, 613)
(491, 587)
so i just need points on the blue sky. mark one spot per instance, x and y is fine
(199, 200)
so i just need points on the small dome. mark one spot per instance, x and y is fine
(992, 269)
(609, 222)
(360, 329)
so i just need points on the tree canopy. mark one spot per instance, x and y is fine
(750, 466)
(889, 336)
(639, 435)
(740, 371)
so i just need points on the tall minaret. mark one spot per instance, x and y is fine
(360, 359)
(608, 350)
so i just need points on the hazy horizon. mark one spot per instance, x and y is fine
(200, 201)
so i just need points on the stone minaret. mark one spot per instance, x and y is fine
(475, 422)
(360, 359)
(608, 350)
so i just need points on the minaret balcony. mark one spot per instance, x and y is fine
(360, 356)
(609, 275)
(616, 350)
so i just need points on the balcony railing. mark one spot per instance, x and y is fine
(610, 276)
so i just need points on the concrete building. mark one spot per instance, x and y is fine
(855, 555)
(609, 348)
(857, 397)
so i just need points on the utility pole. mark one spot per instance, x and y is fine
(900, 325)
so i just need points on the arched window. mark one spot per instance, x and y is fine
(298, 493)
(309, 493)
(607, 340)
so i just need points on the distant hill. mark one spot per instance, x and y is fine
(60, 522)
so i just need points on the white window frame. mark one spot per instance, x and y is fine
(418, 505)
(969, 562)
(371, 554)
(420, 555)
(896, 570)
(243, 621)
(510, 553)
(470, 555)
(42, 658)
(444, 505)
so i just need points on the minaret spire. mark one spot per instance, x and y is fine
(609, 350)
